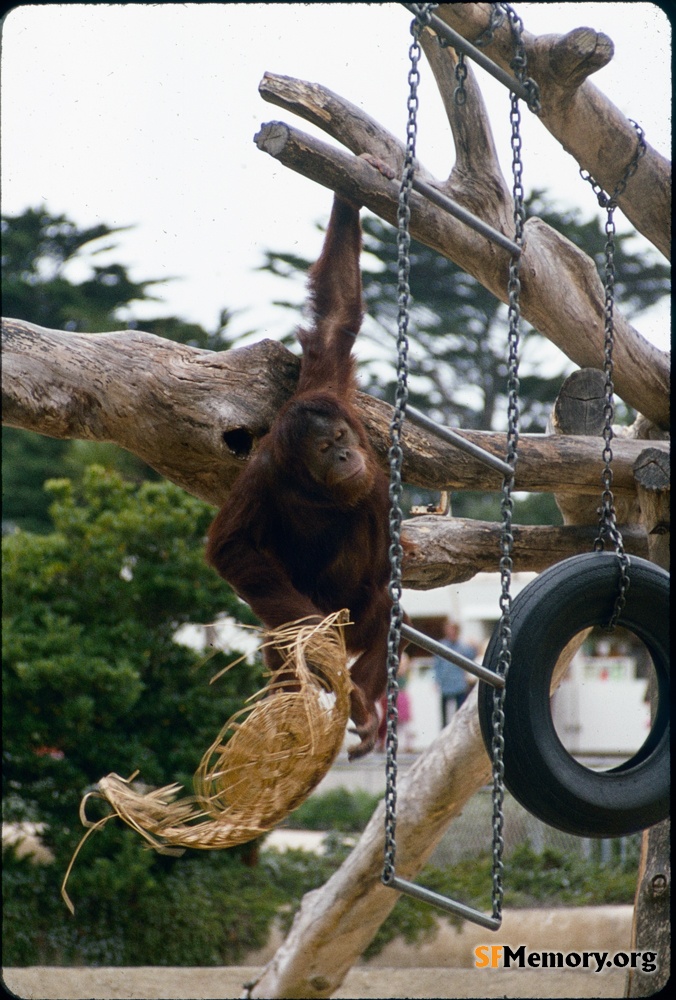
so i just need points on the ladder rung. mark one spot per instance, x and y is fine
(461, 44)
(471, 220)
(452, 437)
(444, 903)
(438, 648)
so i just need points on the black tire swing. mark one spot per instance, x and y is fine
(539, 772)
(597, 589)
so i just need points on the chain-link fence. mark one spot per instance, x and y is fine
(470, 835)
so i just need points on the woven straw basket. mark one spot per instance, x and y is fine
(264, 762)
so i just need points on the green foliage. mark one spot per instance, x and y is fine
(27, 461)
(136, 909)
(338, 809)
(40, 254)
(89, 615)
(94, 682)
(295, 872)
(570, 878)
(37, 249)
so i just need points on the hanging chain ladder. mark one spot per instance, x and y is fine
(518, 65)
(395, 454)
(608, 528)
(423, 15)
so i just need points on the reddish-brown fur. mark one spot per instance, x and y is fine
(292, 547)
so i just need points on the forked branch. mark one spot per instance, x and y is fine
(585, 122)
(562, 295)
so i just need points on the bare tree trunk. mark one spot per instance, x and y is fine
(651, 929)
(448, 550)
(562, 295)
(335, 923)
(653, 476)
(196, 415)
(580, 409)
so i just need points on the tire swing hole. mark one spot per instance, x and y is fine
(601, 710)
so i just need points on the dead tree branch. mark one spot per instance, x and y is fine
(446, 550)
(196, 415)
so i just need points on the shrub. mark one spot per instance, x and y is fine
(339, 809)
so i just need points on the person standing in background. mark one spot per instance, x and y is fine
(453, 682)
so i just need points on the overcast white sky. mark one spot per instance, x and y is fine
(144, 115)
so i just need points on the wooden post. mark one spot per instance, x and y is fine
(579, 410)
(651, 930)
(652, 472)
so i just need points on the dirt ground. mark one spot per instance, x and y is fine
(442, 966)
(222, 984)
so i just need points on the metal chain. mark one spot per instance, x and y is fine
(611, 200)
(608, 528)
(497, 17)
(460, 94)
(519, 62)
(395, 454)
(519, 65)
(496, 21)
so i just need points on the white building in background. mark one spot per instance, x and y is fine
(601, 709)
